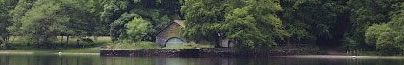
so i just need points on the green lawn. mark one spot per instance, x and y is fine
(18, 43)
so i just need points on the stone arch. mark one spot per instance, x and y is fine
(174, 41)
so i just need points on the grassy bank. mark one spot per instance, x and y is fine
(64, 51)
(60, 43)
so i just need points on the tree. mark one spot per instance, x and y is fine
(40, 23)
(364, 14)
(95, 7)
(253, 23)
(82, 19)
(17, 13)
(5, 22)
(321, 22)
(138, 29)
(158, 13)
(388, 37)
(118, 29)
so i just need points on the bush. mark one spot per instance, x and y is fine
(138, 29)
(374, 33)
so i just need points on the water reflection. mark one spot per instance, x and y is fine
(98, 60)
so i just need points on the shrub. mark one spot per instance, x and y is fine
(138, 29)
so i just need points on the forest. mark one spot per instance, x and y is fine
(376, 25)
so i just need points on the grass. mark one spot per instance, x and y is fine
(35, 51)
(18, 43)
(83, 50)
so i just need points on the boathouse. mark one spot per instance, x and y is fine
(170, 35)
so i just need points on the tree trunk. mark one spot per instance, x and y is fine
(78, 42)
(1, 42)
(67, 41)
(38, 43)
(14, 37)
(6, 42)
(61, 40)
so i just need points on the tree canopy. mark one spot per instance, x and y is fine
(252, 23)
(351, 24)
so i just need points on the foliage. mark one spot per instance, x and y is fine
(118, 29)
(158, 14)
(315, 21)
(388, 38)
(17, 13)
(375, 31)
(39, 23)
(262, 26)
(7, 5)
(354, 24)
(364, 14)
(138, 29)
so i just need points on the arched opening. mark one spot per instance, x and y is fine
(174, 41)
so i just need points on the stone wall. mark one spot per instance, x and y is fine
(208, 52)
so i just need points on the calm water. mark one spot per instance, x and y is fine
(54, 59)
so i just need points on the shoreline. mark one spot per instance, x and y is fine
(31, 52)
(206, 52)
(175, 53)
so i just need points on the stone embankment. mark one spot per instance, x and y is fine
(211, 52)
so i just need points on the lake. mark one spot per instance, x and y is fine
(95, 59)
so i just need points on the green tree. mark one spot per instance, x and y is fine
(5, 22)
(253, 23)
(388, 37)
(39, 23)
(17, 13)
(364, 14)
(158, 13)
(321, 22)
(138, 29)
(118, 29)
(82, 19)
